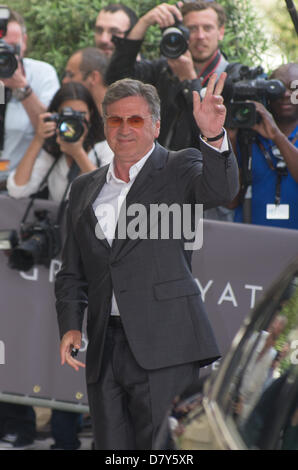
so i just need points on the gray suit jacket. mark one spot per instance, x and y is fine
(159, 300)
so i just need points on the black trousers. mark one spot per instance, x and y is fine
(129, 404)
(18, 419)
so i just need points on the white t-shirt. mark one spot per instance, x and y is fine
(18, 130)
(57, 181)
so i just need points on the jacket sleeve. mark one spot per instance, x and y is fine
(70, 286)
(208, 176)
(124, 63)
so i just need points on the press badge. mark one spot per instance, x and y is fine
(281, 211)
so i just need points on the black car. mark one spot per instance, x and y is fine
(251, 401)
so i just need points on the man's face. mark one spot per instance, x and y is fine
(72, 71)
(128, 143)
(107, 25)
(285, 108)
(205, 34)
(15, 37)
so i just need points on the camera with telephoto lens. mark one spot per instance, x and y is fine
(248, 84)
(174, 40)
(70, 124)
(39, 243)
(8, 53)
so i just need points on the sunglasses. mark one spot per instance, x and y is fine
(133, 121)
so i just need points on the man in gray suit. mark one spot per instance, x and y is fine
(147, 329)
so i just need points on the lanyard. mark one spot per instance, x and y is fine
(280, 168)
(295, 138)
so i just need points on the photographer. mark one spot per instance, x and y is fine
(29, 86)
(49, 154)
(88, 66)
(114, 19)
(50, 151)
(274, 168)
(28, 91)
(175, 78)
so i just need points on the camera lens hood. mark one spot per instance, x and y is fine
(71, 129)
(174, 41)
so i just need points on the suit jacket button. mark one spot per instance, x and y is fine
(115, 263)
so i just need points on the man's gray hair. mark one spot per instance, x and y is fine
(129, 87)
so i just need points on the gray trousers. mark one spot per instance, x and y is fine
(129, 404)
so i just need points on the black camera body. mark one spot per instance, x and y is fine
(248, 84)
(8, 60)
(174, 40)
(39, 242)
(8, 53)
(70, 124)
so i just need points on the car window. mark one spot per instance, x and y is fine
(259, 392)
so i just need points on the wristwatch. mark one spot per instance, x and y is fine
(21, 93)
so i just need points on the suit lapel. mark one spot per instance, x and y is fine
(94, 188)
(143, 192)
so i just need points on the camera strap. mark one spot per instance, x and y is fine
(96, 157)
(211, 67)
(7, 96)
(34, 196)
(73, 172)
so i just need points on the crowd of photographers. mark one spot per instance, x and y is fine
(50, 133)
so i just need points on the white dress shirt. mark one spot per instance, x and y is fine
(108, 203)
